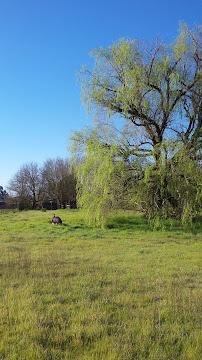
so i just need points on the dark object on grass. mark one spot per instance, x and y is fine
(56, 220)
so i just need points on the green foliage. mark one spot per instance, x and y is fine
(181, 45)
(185, 185)
(94, 178)
(104, 182)
(172, 188)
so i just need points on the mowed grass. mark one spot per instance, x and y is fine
(121, 293)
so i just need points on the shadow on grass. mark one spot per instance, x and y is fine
(140, 223)
(128, 222)
(74, 227)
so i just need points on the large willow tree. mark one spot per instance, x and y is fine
(157, 90)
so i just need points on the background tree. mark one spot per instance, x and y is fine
(55, 181)
(59, 183)
(26, 185)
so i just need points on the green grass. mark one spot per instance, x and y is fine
(121, 293)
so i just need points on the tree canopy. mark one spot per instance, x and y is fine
(156, 88)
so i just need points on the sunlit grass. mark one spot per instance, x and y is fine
(73, 292)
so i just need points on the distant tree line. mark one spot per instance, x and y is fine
(51, 186)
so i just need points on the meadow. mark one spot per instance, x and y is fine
(125, 292)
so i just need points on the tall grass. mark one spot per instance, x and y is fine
(122, 293)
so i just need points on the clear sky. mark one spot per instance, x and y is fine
(43, 44)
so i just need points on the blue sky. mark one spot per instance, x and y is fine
(43, 44)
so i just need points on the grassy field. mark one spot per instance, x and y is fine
(122, 293)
